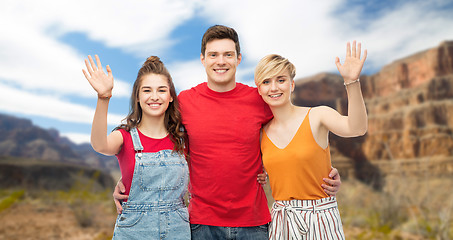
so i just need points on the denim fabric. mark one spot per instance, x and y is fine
(155, 208)
(205, 232)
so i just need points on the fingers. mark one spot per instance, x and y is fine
(109, 71)
(331, 191)
(330, 182)
(98, 61)
(337, 63)
(334, 174)
(119, 208)
(121, 186)
(365, 53)
(118, 197)
(261, 178)
(348, 49)
(332, 186)
(353, 48)
(359, 50)
(93, 66)
(86, 74)
(88, 66)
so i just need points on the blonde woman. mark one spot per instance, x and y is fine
(295, 148)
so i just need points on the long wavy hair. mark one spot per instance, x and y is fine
(172, 119)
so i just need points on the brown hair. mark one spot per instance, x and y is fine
(272, 65)
(220, 32)
(172, 120)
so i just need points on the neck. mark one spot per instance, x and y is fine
(283, 114)
(221, 87)
(153, 127)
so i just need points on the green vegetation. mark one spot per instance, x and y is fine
(407, 208)
(11, 198)
(82, 198)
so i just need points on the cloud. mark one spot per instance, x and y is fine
(135, 26)
(312, 33)
(17, 101)
(187, 74)
(36, 61)
(77, 138)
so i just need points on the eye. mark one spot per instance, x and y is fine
(162, 90)
(229, 55)
(266, 82)
(212, 55)
(146, 90)
(281, 80)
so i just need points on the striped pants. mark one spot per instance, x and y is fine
(306, 219)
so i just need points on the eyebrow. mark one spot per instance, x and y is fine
(232, 52)
(163, 86)
(282, 76)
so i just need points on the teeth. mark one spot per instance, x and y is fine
(154, 105)
(220, 70)
(275, 95)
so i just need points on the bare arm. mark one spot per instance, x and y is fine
(356, 122)
(103, 85)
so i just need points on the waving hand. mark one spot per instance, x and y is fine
(352, 66)
(101, 82)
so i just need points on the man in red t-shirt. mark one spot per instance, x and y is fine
(223, 120)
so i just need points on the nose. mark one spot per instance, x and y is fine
(154, 96)
(274, 86)
(221, 60)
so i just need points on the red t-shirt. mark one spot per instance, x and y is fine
(126, 156)
(224, 149)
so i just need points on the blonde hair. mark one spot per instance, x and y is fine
(272, 65)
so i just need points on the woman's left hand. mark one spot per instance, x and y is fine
(352, 66)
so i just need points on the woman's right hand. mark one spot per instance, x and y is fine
(101, 82)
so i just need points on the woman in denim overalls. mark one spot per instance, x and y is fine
(158, 178)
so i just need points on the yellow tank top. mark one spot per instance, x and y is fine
(296, 171)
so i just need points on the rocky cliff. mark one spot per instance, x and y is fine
(410, 116)
(20, 138)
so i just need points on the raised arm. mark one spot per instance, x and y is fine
(356, 122)
(103, 85)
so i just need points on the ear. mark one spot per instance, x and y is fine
(171, 99)
(293, 85)
(239, 58)
(202, 58)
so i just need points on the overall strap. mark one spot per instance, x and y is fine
(136, 140)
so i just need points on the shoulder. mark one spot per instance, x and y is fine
(248, 92)
(245, 87)
(120, 133)
(189, 93)
(321, 110)
(321, 113)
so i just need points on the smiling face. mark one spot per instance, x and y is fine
(154, 95)
(276, 91)
(220, 61)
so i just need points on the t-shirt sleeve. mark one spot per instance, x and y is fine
(126, 137)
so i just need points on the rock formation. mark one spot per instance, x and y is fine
(410, 115)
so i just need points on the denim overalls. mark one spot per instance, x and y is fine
(155, 208)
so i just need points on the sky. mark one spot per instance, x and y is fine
(43, 45)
